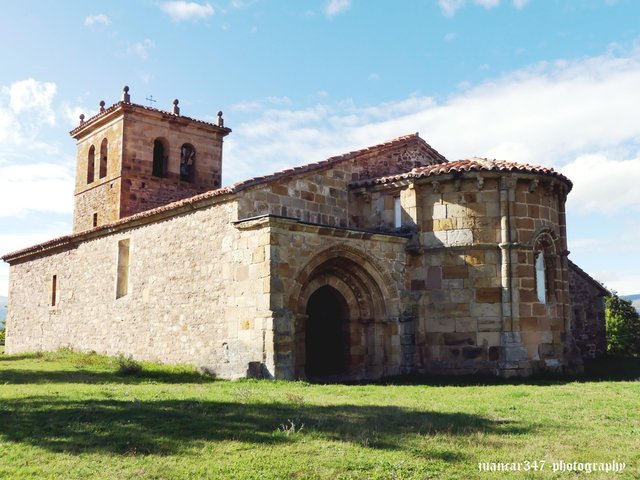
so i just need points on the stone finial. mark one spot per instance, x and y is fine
(102, 106)
(220, 120)
(176, 108)
(81, 118)
(480, 182)
(125, 94)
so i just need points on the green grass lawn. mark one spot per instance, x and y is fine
(70, 416)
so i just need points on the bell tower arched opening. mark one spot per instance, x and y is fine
(326, 340)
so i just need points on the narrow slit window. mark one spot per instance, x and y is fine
(103, 158)
(95, 220)
(54, 289)
(541, 277)
(397, 212)
(91, 158)
(122, 285)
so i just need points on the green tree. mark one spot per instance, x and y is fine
(623, 326)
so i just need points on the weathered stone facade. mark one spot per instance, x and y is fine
(587, 313)
(384, 261)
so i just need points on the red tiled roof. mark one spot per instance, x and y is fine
(460, 166)
(143, 107)
(214, 193)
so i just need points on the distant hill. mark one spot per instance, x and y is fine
(634, 299)
(3, 310)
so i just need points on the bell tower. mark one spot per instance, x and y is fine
(131, 158)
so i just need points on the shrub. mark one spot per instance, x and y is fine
(2, 336)
(127, 365)
(623, 326)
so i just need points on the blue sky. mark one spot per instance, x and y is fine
(548, 82)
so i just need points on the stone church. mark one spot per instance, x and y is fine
(383, 261)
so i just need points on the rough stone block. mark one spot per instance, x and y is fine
(460, 237)
(450, 339)
(489, 295)
(452, 271)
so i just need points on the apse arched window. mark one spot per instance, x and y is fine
(160, 159)
(541, 277)
(187, 162)
(545, 266)
(91, 159)
(103, 158)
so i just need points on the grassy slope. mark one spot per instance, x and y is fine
(70, 416)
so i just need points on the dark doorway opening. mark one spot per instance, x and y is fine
(326, 339)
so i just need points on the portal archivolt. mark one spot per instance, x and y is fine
(341, 327)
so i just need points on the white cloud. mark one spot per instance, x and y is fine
(141, 49)
(450, 37)
(449, 7)
(72, 113)
(179, 11)
(336, 7)
(11, 242)
(488, 4)
(624, 282)
(603, 184)
(550, 114)
(374, 76)
(41, 187)
(246, 106)
(284, 100)
(100, 18)
(32, 96)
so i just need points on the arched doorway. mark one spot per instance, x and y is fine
(326, 341)
(344, 283)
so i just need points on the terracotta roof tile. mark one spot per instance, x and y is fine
(474, 164)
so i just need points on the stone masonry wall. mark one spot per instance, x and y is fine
(540, 226)
(321, 196)
(142, 191)
(195, 294)
(368, 271)
(102, 195)
(587, 315)
(460, 309)
(478, 309)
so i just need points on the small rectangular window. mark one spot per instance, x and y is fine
(397, 212)
(95, 220)
(122, 285)
(54, 290)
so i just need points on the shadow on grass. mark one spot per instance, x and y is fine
(606, 369)
(80, 375)
(171, 426)
(601, 370)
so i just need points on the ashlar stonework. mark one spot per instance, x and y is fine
(384, 261)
